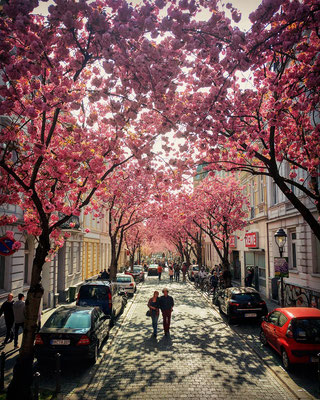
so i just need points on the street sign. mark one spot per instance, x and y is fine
(251, 239)
(6, 246)
(281, 267)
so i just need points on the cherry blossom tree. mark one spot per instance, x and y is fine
(269, 124)
(220, 209)
(133, 239)
(83, 91)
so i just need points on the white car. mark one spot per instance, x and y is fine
(126, 283)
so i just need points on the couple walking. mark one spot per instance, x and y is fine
(164, 303)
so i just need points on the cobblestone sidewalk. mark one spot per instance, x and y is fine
(202, 359)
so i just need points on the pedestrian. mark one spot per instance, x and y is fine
(184, 271)
(227, 277)
(166, 306)
(171, 272)
(105, 275)
(159, 272)
(202, 276)
(249, 278)
(154, 305)
(7, 311)
(214, 280)
(18, 312)
(177, 272)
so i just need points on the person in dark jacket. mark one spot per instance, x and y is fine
(7, 311)
(18, 312)
(154, 305)
(166, 306)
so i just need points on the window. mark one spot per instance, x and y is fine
(292, 250)
(76, 256)
(261, 189)
(274, 193)
(282, 319)
(26, 262)
(2, 271)
(69, 258)
(273, 317)
(78, 269)
(316, 256)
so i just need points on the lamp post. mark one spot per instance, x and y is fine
(281, 238)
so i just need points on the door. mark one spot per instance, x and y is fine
(271, 328)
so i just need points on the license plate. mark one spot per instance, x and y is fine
(60, 342)
(314, 359)
(250, 315)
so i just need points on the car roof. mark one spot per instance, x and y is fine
(96, 283)
(300, 312)
(241, 289)
(72, 308)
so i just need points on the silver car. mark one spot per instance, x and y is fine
(126, 282)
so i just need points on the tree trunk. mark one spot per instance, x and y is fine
(114, 260)
(20, 385)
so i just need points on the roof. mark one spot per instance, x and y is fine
(96, 283)
(73, 308)
(242, 289)
(300, 312)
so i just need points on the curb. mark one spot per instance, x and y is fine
(274, 370)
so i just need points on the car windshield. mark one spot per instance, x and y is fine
(306, 330)
(121, 279)
(244, 297)
(93, 292)
(137, 269)
(153, 266)
(195, 268)
(69, 319)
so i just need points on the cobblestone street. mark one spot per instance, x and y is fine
(202, 359)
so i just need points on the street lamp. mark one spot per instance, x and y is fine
(281, 238)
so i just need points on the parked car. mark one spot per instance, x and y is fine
(101, 294)
(241, 303)
(294, 332)
(137, 272)
(193, 271)
(74, 332)
(126, 283)
(153, 270)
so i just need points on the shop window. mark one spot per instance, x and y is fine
(292, 249)
(2, 271)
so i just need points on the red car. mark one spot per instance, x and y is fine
(294, 332)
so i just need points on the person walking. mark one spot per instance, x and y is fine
(7, 311)
(177, 272)
(166, 305)
(214, 280)
(184, 271)
(154, 305)
(18, 312)
(159, 272)
(171, 272)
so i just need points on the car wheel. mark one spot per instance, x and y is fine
(263, 338)
(285, 360)
(229, 319)
(94, 358)
(219, 306)
(112, 319)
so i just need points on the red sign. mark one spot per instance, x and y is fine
(233, 241)
(6, 246)
(251, 239)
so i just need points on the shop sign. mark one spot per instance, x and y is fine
(6, 246)
(233, 241)
(281, 267)
(251, 239)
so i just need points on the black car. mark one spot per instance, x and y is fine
(153, 270)
(137, 272)
(108, 296)
(241, 303)
(74, 332)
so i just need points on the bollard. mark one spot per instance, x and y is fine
(36, 377)
(2, 365)
(58, 373)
